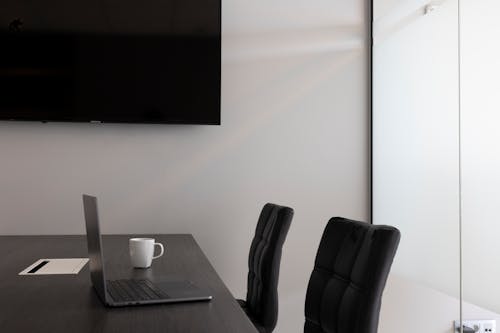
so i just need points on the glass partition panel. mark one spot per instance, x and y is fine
(480, 72)
(415, 159)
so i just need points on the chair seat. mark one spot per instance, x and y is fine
(243, 305)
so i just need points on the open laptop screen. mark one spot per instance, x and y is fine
(94, 244)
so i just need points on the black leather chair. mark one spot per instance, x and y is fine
(261, 304)
(350, 271)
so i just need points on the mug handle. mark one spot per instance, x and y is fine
(161, 250)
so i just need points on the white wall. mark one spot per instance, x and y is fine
(294, 132)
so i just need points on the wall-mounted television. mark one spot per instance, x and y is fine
(120, 61)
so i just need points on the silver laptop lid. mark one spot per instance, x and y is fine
(94, 244)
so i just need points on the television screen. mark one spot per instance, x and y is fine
(153, 61)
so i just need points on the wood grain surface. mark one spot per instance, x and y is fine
(67, 303)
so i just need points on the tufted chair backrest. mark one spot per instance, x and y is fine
(264, 264)
(350, 271)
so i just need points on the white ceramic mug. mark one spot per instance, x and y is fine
(142, 251)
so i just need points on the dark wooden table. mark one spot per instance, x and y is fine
(67, 303)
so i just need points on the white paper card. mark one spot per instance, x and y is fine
(55, 266)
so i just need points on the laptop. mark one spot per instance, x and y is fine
(126, 292)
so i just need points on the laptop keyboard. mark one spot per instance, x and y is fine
(134, 290)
